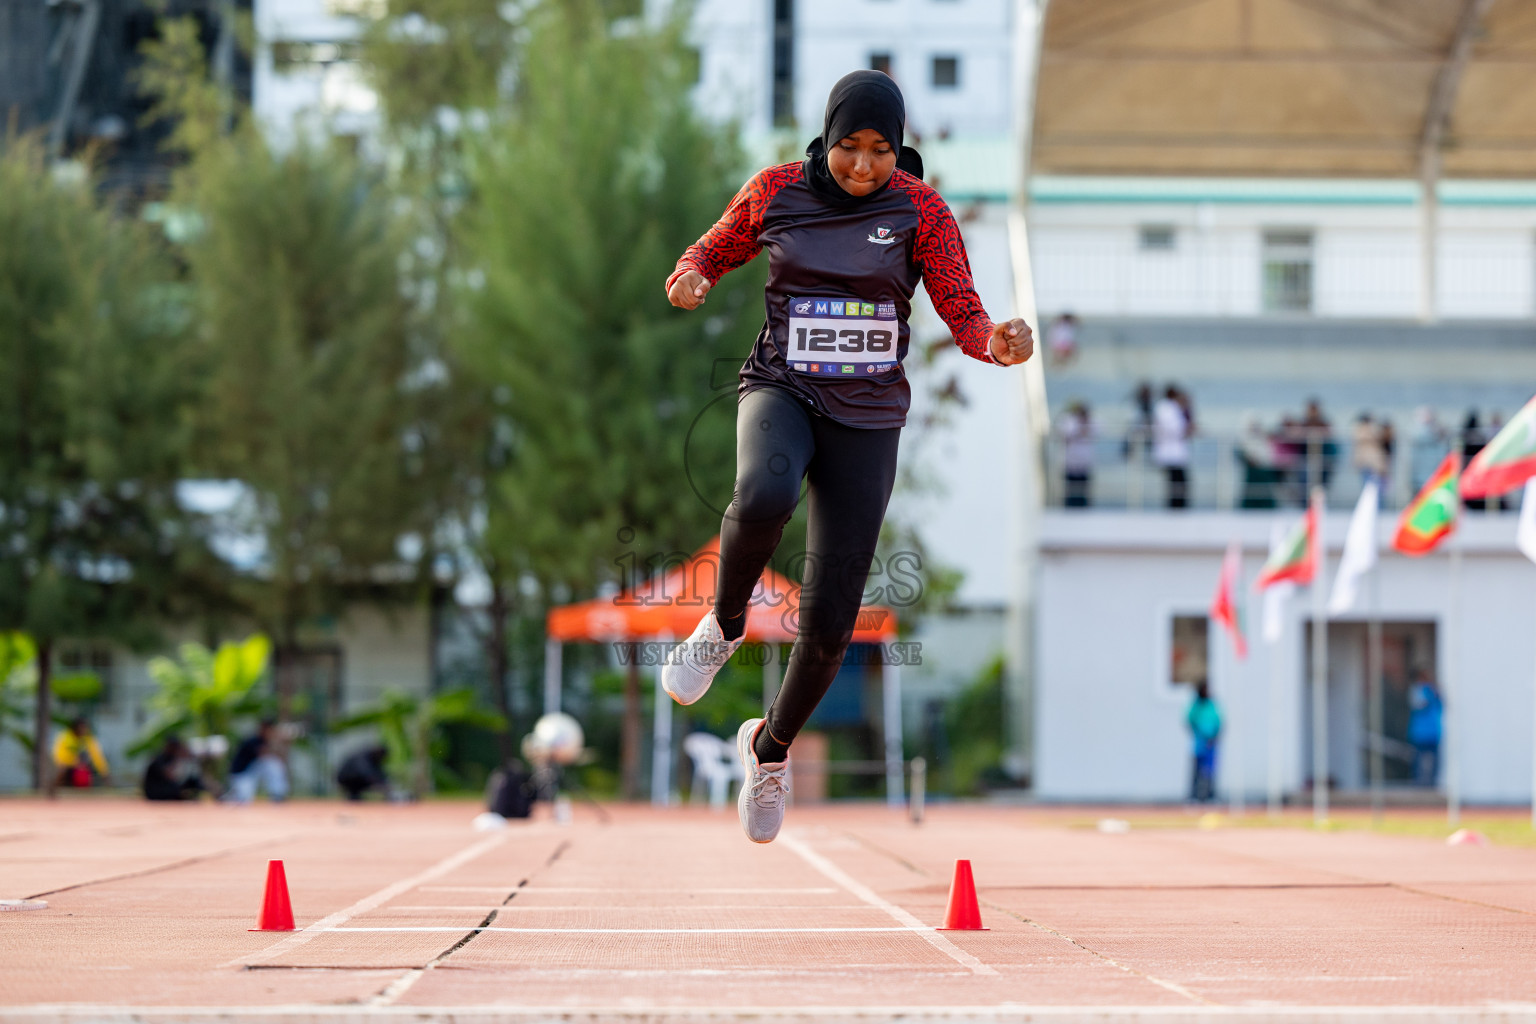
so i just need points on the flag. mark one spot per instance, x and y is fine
(1224, 607)
(1276, 594)
(1359, 550)
(1525, 536)
(1295, 559)
(1274, 610)
(1431, 516)
(1507, 461)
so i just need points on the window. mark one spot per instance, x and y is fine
(783, 62)
(1158, 238)
(1191, 635)
(1288, 271)
(946, 72)
(880, 62)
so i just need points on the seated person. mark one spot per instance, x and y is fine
(363, 770)
(76, 753)
(173, 774)
(258, 762)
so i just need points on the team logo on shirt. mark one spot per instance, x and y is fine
(884, 233)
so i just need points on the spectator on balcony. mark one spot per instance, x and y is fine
(1427, 447)
(1171, 426)
(1061, 337)
(1319, 450)
(1262, 475)
(1473, 440)
(1370, 455)
(1076, 429)
(1138, 437)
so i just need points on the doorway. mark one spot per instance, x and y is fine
(1406, 646)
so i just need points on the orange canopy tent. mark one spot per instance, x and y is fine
(670, 604)
(667, 606)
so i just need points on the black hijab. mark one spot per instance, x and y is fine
(859, 100)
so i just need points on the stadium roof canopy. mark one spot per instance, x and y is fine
(1335, 88)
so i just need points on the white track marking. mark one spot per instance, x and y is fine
(609, 890)
(530, 908)
(619, 931)
(868, 895)
(368, 903)
(1495, 1013)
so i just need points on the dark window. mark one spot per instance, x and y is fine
(1288, 271)
(1158, 238)
(1191, 641)
(783, 62)
(946, 72)
(880, 62)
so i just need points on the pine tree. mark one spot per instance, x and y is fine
(93, 422)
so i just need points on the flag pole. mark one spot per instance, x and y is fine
(1275, 709)
(1319, 671)
(1374, 684)
(1229, 663)
(1450, 686)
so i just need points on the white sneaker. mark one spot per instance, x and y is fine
(761, 804)
(686, 677)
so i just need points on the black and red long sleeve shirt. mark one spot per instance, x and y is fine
(840, 285)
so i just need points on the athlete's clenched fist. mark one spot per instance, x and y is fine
(688, 291)
(1012, 342)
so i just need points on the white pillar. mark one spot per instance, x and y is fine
(1031, 421)
(552, 652)
(1319, 668)
(890, 688)
(661, 740)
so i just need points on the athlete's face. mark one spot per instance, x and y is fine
(861, 162)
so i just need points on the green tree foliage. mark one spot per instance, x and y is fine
(974, 722)
(315, 396)
(93, 422)
(411, 728)
(583, 197)
(205, 693)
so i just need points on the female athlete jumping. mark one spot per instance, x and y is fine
(823, 395)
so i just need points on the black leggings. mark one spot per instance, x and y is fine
(779, 441)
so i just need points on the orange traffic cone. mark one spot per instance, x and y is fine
(276, 911)
(963, 913)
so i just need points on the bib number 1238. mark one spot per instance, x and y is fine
(842, 337)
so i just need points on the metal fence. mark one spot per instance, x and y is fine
(1220, 474)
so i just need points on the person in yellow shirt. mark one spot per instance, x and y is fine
(76, 753)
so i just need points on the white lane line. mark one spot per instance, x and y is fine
(530, 908)
(367, 903)
(619, 931)
(608, 890)
(868, 895)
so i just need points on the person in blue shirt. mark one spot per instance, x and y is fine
(1425, 723)
(1204, 720)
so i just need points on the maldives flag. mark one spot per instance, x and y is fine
(1295, 559)
(1508, 461)
(1431, 516)
(1224, 608)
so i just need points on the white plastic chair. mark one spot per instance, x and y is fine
(714, 767)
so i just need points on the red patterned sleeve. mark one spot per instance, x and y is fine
(940, 253)
(733, 239)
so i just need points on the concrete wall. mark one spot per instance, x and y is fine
(1085, 244)
(1110, 725)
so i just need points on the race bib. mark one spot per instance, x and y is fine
(842, 338)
